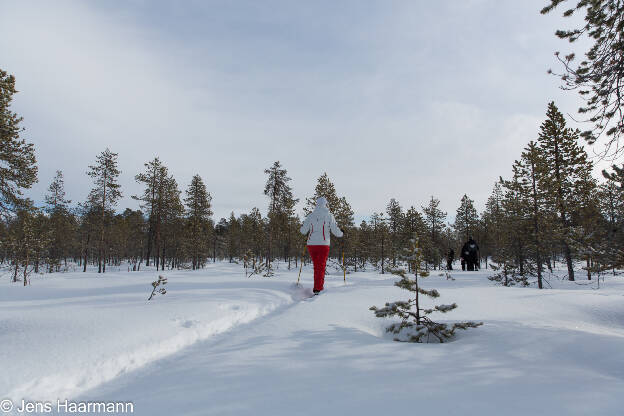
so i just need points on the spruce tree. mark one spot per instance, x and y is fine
(18, 169)
(104, 195)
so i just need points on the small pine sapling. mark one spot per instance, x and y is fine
(254, 266)
(508, 271)
(158, 287)
(415, 325)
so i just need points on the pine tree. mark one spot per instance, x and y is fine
(416, 326)
(414, 224)
(339, 207)
(87, 228)
(434, 218)
(358, 246)
(379, 239)
(568, 174)
(395, 223)
(324, 188)
(466, 218)
(133, 237)
(18, 168)
(511, 257)
(529, 171)
(344, 215)
(253, 229)
(61, 221)
(171, 212)
(611, 204)
(198, 213)
(493, 220)
(55, 198)
(104, 195)
(599, 78)
(281, 205)
(154, 175)
(234, 237)
(27, 238)
(219, 239)
(163, 207)
(617, 176)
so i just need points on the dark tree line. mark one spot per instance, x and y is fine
(550, 211)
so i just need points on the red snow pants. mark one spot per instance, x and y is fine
(319, 259)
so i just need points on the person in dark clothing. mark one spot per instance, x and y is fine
(470, 254)
(449, 259)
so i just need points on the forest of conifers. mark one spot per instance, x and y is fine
(550, 211)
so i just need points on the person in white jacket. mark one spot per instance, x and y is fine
(319, 225)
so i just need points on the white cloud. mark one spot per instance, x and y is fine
(403, 101)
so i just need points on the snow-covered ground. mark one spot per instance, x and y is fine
(221, 344)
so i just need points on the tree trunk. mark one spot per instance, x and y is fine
(538, 255)
(562, 210)
(26, 267)
(568, 256)
(86, 253)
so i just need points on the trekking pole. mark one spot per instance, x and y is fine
(301, 265)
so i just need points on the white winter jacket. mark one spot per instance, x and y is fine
(319, 224)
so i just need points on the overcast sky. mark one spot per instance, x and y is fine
(403, 99)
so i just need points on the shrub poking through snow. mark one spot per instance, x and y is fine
(158, 287)
(415, 325)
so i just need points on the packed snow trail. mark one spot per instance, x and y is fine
(68, 333)
(550, 352)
